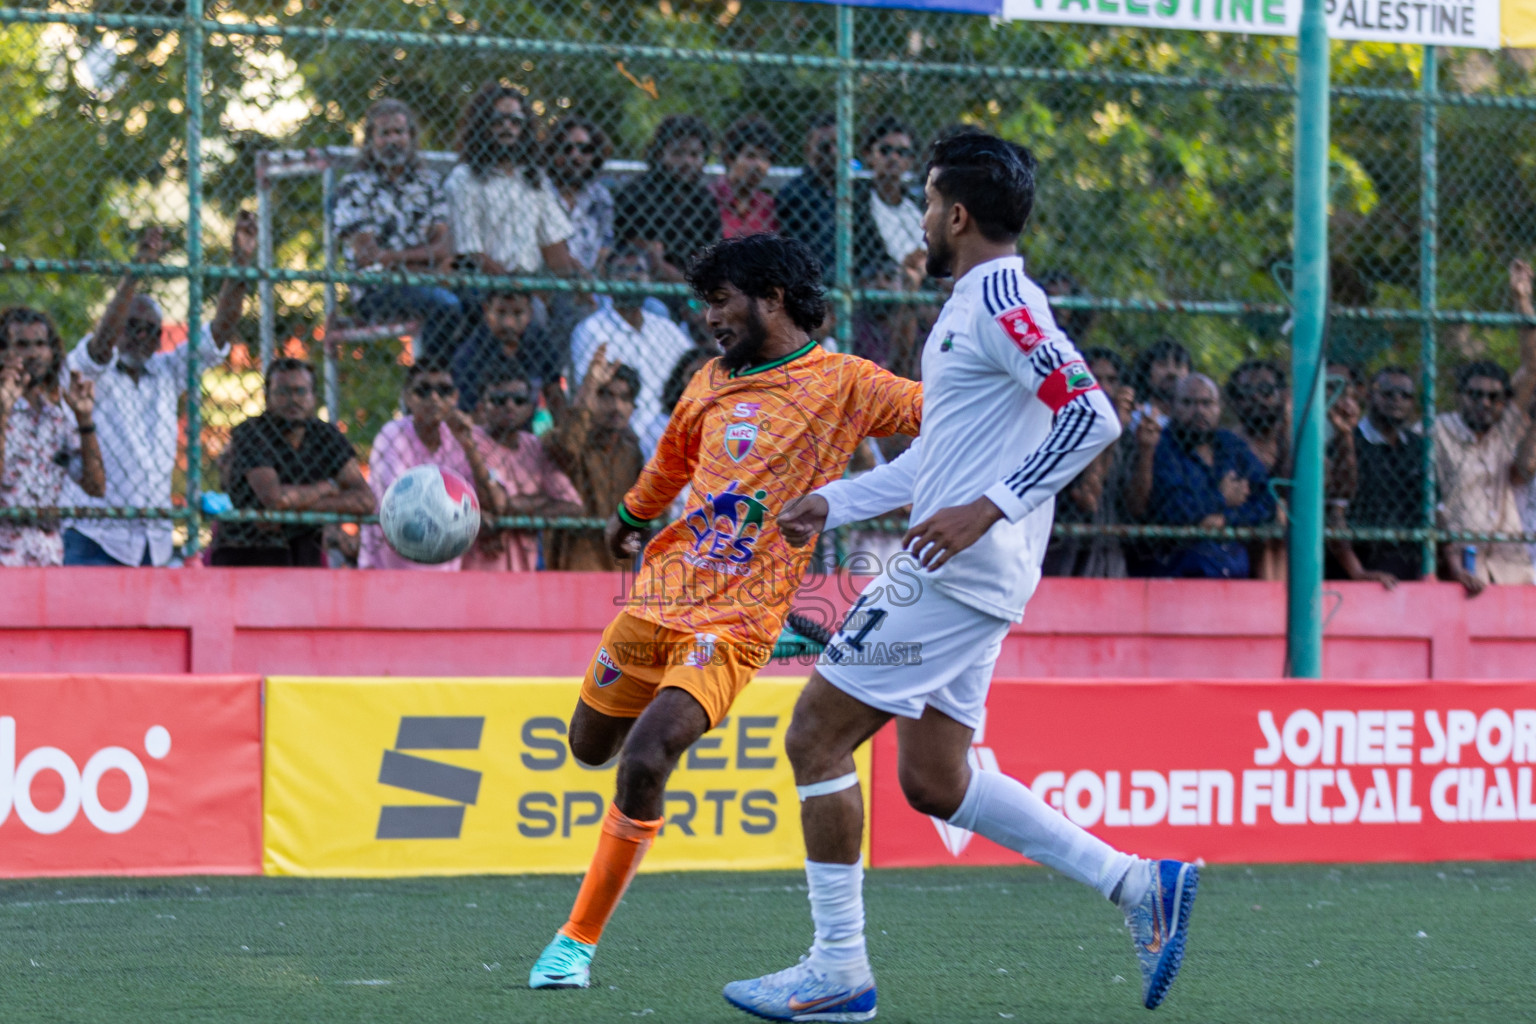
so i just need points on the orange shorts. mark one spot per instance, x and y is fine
(638, 658)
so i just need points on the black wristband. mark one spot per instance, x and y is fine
(89, 428)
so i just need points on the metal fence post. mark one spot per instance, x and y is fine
(264, 261)
(1304, 632)
(843, 274)
(193, 37)
(1429, 140)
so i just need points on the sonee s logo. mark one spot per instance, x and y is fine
(431, 778)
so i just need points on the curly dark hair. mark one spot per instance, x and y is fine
(23, 316)
(759, 265)
(889, 124)
(473, 142)
(994, 180)
(674, 127)
(1482, 368)
(750, 131)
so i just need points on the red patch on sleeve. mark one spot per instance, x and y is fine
(1068, 382)
(1021, 327)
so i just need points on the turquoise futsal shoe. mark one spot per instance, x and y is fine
(565, 963)
(803, 993)
(1158, 925)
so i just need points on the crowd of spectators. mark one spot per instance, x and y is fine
(550, 401)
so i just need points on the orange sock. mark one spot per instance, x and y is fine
(620, 847)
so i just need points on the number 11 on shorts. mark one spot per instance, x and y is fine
(846, 637)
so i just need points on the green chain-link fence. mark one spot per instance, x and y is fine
(139, 131)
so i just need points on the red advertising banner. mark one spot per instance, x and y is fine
(1249, 771)
(130, 775)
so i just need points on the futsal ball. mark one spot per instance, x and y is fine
(430, 515)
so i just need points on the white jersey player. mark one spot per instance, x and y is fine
(1011, 414)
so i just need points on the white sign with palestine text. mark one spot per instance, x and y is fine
(1435, 22)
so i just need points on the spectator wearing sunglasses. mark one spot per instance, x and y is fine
(508, 341)
(519, 464)
(139, 386)
(1389, 488)
(503, 218)
(807, 205)
(1485, 453)
(746, 208)
(890, 154)
(575, 155)
(435, 431)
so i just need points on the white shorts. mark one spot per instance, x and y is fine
(901, 653)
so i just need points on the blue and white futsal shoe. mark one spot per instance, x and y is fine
(565, 963)
(803, 993)
(1158, 924)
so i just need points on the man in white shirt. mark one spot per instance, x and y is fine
(138, 387)
(503, 218)
(889, 154)
(1000, 380)
(636, 337)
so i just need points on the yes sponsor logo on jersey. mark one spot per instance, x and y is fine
(746, 410)
(739, 439)
(1068, 382)
(726, 529)
(606, 672)
(1020, 326)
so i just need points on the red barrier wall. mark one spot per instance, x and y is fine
(396, 623)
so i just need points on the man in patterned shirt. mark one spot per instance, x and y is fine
(774, 414)
(392, 214)
(42, 444)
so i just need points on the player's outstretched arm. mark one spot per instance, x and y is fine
(881, 490)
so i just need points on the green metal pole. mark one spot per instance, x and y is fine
(1429, 140)
(843, 273)
(192, 38)
(1304, 623)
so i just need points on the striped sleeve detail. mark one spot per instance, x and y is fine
(1002, 293)
(1084, 426)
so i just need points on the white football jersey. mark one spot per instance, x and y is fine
(1010, 411)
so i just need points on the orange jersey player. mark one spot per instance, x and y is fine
(771, 419)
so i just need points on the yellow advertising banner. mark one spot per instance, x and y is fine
(1518, 22)
(377, 777)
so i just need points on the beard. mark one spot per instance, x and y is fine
(1260, 420)
(572, 174)
(749, 348)
(1191, 437)
(393, 156)
(940, 261)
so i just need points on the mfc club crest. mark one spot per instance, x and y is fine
(739, 439)
(605, 672)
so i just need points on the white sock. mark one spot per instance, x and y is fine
(1138, 879)
(837, 908)
(1007, 812)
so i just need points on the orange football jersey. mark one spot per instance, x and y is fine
(748, 444)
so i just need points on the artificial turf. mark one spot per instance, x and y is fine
(1442, 942)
